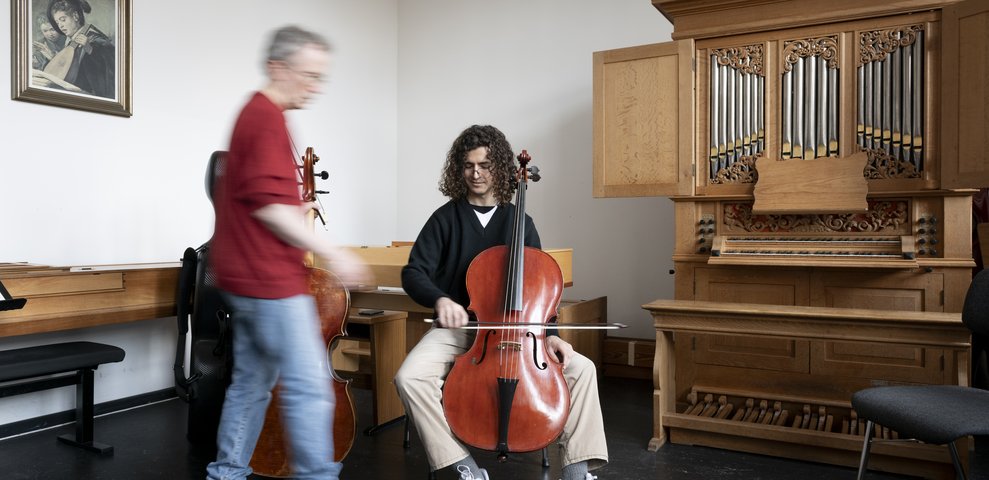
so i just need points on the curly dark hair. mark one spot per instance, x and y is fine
(452, 183)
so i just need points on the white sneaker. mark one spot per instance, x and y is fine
(466, 474)
(589, 477)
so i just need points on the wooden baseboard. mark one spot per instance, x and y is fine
(628, 357)
(69, 416)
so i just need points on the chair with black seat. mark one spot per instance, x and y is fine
(933, 414)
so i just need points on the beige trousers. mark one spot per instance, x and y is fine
(420, 385)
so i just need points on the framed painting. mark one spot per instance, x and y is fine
(72, 53)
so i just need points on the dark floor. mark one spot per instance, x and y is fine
(150, 443)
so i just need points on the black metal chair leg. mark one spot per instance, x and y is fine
(959, 471)
(545, 458)
(866, 445)
(405, 442)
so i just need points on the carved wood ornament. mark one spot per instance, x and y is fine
(825, 47)
(747, 59)
(876, 45)
(886, 215)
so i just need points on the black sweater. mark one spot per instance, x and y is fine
(449, 240)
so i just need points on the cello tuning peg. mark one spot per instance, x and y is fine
(534, 173)
(323, 175)
(322, 192)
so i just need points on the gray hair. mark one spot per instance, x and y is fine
(288, 40)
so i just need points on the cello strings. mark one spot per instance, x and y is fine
(518, 259)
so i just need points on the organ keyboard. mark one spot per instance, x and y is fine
(871, 251)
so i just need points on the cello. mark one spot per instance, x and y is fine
(271, 456)
(504, 393)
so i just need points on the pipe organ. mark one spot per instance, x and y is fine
(818, 155)
(810, 98)
(890, 86)
(738, 88)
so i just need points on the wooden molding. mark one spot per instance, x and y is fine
(717, 18)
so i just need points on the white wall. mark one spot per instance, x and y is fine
(408, 76)
(84, 188)
(525, 67)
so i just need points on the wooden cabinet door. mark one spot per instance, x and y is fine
(644, 120)
(769, 286)
(878, 290)
(965, 64)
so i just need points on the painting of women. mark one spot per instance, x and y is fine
(86, 62)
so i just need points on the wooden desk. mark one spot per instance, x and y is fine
(386, 334)
(60, 299)
(396, 300)
(936, 338)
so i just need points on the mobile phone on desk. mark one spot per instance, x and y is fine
(369, 312)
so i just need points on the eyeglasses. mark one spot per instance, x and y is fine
(480, 168)
(309, 77)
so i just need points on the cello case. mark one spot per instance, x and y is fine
(201, 309)
(210, 356)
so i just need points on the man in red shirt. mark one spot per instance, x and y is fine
(257, 253)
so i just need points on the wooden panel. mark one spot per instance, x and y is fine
(564, 258)
(763, 353)
(907, 290)
(796, 186)
(891, 363)
(385, 263)
(643, 120)
(965, 95)
(64, 284)
(752, 285)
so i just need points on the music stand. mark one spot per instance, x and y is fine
(7, 303)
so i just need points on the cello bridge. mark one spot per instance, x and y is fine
(513, 346)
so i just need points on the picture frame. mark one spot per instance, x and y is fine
(89, 69)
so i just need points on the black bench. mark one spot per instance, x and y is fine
(76, 361)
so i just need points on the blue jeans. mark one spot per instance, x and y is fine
(277, 340)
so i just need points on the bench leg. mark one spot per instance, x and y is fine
(83, 437)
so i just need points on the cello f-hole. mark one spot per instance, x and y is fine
(535, 351)
(484, 351)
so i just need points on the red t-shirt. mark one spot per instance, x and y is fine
(246, 257)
